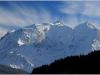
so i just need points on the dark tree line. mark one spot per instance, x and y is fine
(83, 64)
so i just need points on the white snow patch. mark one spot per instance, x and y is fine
(14, 66)
(13, 30)
(11, 52)
(20, 42)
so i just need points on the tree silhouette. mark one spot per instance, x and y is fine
(83, 64)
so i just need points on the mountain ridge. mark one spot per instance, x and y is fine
(40, 44)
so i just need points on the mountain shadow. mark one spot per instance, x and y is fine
(83, 64)
(8, 70)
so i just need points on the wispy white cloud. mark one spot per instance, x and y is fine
(71, 7)
(81, 11)
(92, 9)
(24, 15)
(9, 18)
(85, 8)
(3, 31)
(71, 21)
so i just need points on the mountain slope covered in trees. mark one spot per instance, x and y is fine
(83, 64)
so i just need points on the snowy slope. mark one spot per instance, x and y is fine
(40, 44)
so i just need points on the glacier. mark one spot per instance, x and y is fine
(39, 44)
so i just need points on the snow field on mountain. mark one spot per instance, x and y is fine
(40, 44)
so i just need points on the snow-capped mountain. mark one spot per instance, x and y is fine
(40, 44)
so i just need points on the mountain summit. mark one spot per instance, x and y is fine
(40, 44)
(58, 22)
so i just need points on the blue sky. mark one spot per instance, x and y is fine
(18, 14)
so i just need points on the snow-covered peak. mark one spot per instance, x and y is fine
(90, 25)
(58, 23)
(31, 26)
(86, 25)
(40, 44)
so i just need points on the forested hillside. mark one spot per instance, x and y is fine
(83, 64)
